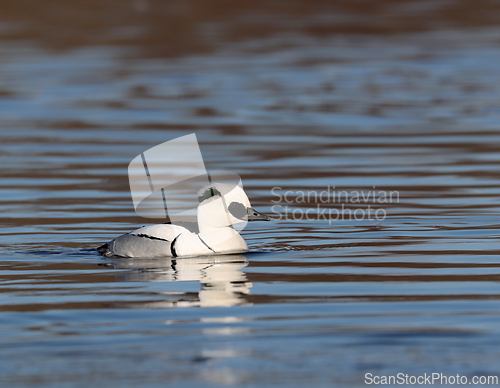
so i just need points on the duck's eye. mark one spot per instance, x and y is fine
(238, 210)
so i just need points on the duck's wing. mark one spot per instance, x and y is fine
(160, 231)
(148, 241)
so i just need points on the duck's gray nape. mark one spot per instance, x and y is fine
(209, 193)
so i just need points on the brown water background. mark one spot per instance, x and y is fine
(397, 95)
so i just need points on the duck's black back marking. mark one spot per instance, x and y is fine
(172, 246)
(205, 244)
(150, 237)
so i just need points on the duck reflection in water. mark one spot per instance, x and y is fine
(223, 283)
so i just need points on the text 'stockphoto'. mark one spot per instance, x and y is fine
(332, 205)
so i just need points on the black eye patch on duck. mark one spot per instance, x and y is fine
(209, 193)
(238, 210)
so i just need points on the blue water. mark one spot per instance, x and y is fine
(315, 302)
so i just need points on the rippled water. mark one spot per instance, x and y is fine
(315, 302)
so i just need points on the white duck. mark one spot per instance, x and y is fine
(221, 206)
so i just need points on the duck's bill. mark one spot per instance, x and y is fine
(254, 215)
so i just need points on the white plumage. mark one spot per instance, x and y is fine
(221, 207)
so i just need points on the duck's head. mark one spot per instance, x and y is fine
(224, 204)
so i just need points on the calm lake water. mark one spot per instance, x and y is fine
(315, 302)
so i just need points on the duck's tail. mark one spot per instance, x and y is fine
(104, 250)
